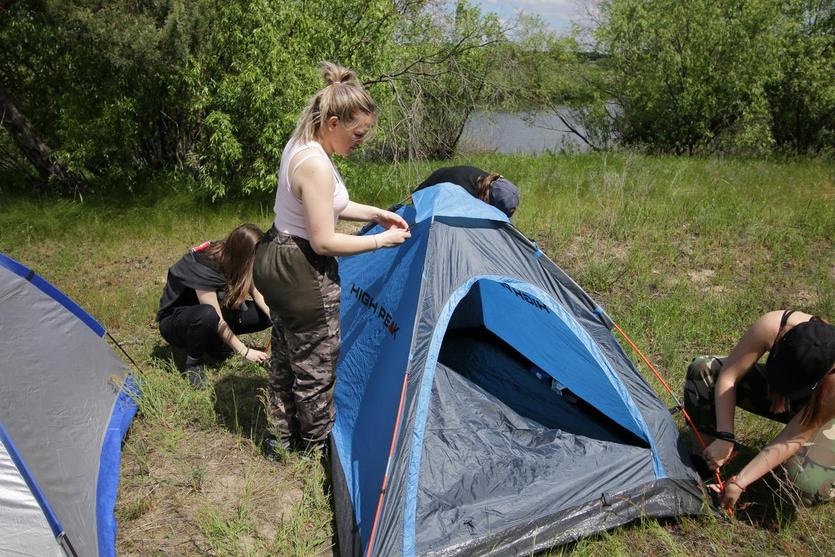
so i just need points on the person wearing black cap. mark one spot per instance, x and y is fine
(796, 386)
(491, 188)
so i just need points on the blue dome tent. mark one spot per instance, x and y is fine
(483, 403)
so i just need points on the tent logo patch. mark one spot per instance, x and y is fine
(376, 309)
(526, 297)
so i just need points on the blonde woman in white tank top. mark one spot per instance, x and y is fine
(295, 266)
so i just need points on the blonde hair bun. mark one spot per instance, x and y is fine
(345, 102)
(334, 73)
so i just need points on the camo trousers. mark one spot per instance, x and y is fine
(751, 393)
(302, 291)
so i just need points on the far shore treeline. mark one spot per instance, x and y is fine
(97, 95)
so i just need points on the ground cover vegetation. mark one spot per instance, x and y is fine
(683, 253)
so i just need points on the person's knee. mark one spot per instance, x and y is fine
(203, 323)
(814, 483)
(262, 320)
(703, 368)
(205, 316)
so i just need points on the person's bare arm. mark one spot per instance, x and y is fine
(313, 179)
(258, 298)
(794, 436)
(225, 332)
(367, 213)
(753, 344)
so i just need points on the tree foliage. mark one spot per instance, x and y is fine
(212, 88)
(435, 78)
(803, 101)
(737, 76)
(101, 91)
(543, 71)
(689, 74)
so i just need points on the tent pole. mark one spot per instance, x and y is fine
(65, 544)
(116, 342)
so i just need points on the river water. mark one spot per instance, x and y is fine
(518, 132)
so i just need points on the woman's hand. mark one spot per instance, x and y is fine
(387, 219)
(730, 495)
(718, 453)
(394, 236)
(255, 356)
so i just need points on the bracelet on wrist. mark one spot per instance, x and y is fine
(376, 242)
(726, 436)
(733, 480)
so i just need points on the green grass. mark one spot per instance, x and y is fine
(683, 253)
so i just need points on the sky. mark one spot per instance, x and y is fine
(559, 14)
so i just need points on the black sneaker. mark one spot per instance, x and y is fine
(195, 372)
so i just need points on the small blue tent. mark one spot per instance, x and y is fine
(483, 404)
(66, 402)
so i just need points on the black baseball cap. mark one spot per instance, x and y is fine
(801, 358)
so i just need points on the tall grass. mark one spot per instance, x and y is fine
(683, 253)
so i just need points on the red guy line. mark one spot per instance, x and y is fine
(388, 463)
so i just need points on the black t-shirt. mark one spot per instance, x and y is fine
(194, 271)
(465, 176)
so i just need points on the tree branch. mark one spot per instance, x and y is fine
(438, 57)
(36, 151)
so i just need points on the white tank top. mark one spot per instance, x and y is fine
(289, 211)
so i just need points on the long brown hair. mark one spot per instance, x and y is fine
(484, 184)
(812, 413)
(236, 254)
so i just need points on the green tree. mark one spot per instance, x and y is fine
(212, 88)
(259, 69)
(803, 101)
(693, 75)
(436, 76)
(207, 87)
(100, 80)
(540, 70)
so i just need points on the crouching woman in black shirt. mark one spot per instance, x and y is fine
(209, 299)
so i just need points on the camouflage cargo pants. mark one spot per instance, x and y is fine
(302, 291)
(751, 393)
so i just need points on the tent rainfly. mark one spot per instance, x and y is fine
(66, 402)
(484, 406)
